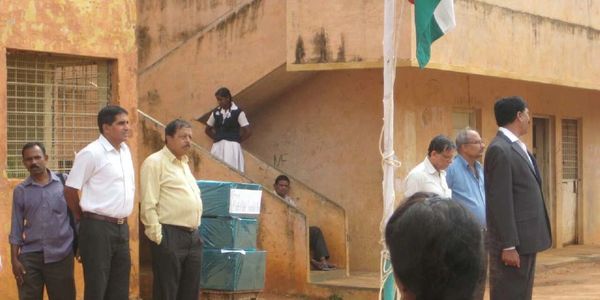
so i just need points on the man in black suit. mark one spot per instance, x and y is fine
(517, 220)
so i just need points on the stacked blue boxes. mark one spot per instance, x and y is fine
(229, 225)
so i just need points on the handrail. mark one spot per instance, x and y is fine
(246, 153)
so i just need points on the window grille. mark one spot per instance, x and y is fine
(54, 100)
(569, 147)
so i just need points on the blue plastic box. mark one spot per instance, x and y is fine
(233, 271)
(226, 199)
(229, 233)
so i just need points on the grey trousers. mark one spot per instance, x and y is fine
(317, 244)
(104, 250)
(56, 276)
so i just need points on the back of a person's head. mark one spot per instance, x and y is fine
(435, 247)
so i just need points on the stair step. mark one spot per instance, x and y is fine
(338, 278)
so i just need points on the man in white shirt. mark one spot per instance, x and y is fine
(430, 175)
(103, 173)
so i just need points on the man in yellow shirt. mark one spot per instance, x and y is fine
(171, 209)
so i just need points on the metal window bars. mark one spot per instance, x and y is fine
(54, 100)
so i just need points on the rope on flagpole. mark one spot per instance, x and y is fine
(389, 159)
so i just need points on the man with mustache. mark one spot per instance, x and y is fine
(171, 209)
(103, 172)
(41, 238)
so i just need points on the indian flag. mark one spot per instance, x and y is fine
(433, 18)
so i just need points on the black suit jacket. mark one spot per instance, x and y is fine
(516, 213)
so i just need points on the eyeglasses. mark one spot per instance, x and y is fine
(480, 142)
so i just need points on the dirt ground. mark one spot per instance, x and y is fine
(572, 281)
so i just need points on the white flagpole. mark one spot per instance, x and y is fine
(388, 290)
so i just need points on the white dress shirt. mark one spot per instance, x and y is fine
(105, 178)
(425, 178)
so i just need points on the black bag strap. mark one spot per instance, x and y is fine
(72, 222)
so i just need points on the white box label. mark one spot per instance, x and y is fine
(245, 202)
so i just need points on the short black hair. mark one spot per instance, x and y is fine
(108, 114)
(223, 92)
(174, 125)
(281, 177)
(435, 247)
(506, 109)
(31, 145)
(439, 144)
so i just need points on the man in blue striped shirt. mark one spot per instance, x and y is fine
(41, 238)
(465, 179)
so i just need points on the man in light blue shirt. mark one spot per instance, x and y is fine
(465, 178)
(465, 174)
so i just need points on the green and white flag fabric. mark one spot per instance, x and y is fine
(433, 18)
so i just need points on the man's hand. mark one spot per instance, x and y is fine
(511, 258)
(18, 271)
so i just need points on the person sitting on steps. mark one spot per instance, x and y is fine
(318, 247)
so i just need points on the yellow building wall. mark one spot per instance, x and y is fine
(104, 29)
(182, 64)
(325, 132)
(554, 42)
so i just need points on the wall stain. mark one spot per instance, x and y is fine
(300, 53)
(249, 10)
(153, 97)
(162, 34)
(195, 158)
(321, 47)
(341, 54)
(151, 137)
(144, 42)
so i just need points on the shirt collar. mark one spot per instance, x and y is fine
(53, 177)
(171, 157)
(232, 107)
(429, 168)
(106, 144)
(511, 136)
(463, 162)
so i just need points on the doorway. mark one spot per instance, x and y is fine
(541, 151)
(570, 181)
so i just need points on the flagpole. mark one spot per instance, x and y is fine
(388, 289)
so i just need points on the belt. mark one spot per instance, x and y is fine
(183, 228)
(90, 215)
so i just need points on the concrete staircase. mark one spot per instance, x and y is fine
(283, 229)
(222, 45)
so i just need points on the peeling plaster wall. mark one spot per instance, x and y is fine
(325, 133)
(340, 34)
(86, 28)
(554, 42)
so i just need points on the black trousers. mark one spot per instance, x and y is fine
(104, 250)
(317, 244)
(510, 282)
(57, 276)
(176, 264)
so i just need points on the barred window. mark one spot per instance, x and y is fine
(570, 152)
(53, 99)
